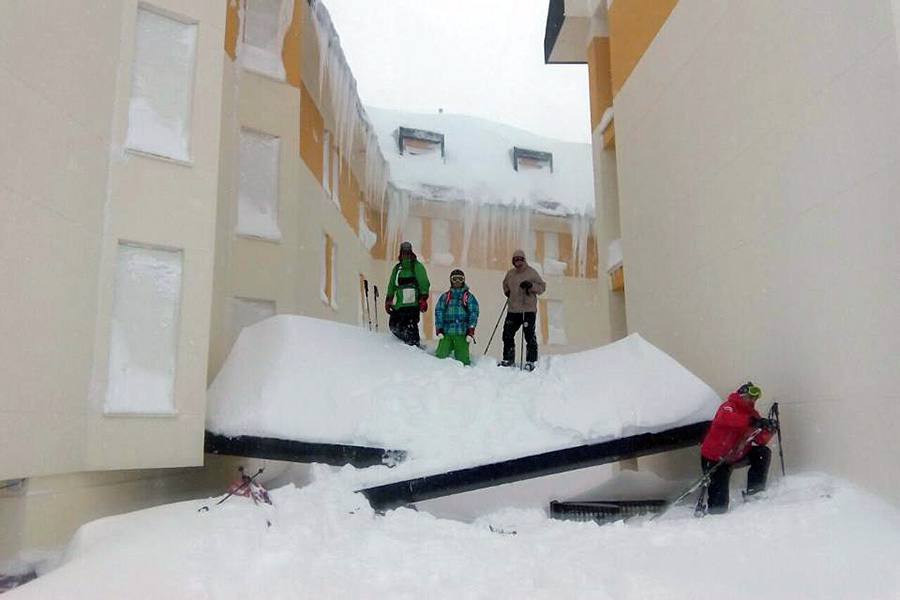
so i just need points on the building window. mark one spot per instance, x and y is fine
(412, 233)
(556, 326)
(162, 75)
(420, 142)
(143, 337)
(532, 160)
(552, 264)
(246, 312)
(326, 163)
(329, 272)
(368, 237)
(265, 24)
(440, 243)
(259, 158)
(335, 175)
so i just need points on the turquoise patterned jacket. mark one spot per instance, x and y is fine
(455, 317)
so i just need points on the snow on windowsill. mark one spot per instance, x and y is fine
(554, 267)
(119, 414)
(274, 239)
(614, 255)
(262, 62)
(606, 119)
(189, 163)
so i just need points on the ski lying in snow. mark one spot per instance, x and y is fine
(703, 480)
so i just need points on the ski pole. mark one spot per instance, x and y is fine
(522, 342)
(376, 307)
(247, 481)
(368, 309)
(707, 476)
(775, 412)
(502, 310)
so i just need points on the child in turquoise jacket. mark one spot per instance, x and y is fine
(455, 318)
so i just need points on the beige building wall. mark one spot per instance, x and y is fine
(288, 271)
(757, 165)
(70, 191)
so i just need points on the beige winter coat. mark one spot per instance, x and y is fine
(519, 300)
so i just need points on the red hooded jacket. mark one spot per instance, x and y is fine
(729, 427)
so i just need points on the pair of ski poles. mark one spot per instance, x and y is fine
(521, 335)
(368, 308)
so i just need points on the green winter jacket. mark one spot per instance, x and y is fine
(408, 283)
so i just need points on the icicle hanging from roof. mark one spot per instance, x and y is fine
(580, 226)
(397, 215)
(350, 117)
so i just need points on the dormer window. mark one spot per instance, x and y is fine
(419, 141)
(532, 160)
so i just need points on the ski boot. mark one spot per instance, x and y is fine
(506, 363)
(753, 495)
(529, 366)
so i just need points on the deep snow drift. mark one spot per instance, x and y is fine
(319, 381)
(811, 537)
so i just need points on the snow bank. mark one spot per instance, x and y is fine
(811, 537)
(313, 380)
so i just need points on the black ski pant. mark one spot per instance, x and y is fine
(404, 323)
(510, 327)
(758, 457)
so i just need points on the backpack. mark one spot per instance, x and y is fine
(465, 299)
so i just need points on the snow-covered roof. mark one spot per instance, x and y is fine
(312, 380)
(478, 163)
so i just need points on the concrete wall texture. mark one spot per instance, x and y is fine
(757, 175)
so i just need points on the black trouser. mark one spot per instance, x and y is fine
(510, 327)
(758, 457)
(404, 323)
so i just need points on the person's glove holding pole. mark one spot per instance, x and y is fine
(761, 423)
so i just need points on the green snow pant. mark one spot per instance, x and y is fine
(455, 343)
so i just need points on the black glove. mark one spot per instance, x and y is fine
(506, 293)
(767, 424)
(526, 285)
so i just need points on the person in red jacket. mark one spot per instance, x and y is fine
(726, 440)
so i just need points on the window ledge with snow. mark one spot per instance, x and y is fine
(262, 62)
(142, 415)
(184, 162)
(554, 267)
(275, 238)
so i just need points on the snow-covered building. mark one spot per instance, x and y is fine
(745, 156)
(184, 168)
(467, 192)
(108, 184)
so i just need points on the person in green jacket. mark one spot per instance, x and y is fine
(407, 295)
(455, 319)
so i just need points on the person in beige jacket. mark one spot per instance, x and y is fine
(522, 285)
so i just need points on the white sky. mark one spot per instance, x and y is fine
(475, 57)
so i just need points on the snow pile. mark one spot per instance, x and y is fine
(478, 163)
(312, 380)
(811, 537)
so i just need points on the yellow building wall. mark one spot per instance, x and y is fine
(599, 78)
(292, 50)
(312, 132)
(632, 26)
